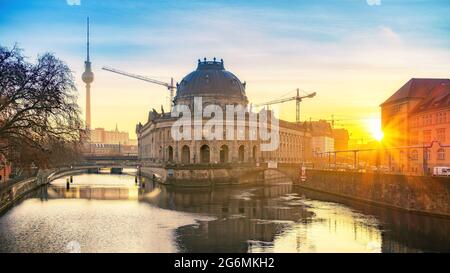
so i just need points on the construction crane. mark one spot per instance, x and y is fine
(297, 99)
(170, 86)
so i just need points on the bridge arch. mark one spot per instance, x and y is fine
(288, 171)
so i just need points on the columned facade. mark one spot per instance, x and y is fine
(216, 87)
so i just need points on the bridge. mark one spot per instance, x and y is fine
(403, 192)
(93, 163)
(172, 173)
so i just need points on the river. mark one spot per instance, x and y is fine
(111, 213)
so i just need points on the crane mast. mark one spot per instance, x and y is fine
(298, 99)
(170, 86)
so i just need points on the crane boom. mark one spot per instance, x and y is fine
(297, 99)
(170, 86)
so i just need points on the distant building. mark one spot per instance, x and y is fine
(104, 142)
(322, 140)
(294, 144)
(100, 135)
(100, 149)
(341, 138)
(416, 119)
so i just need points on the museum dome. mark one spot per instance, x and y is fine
(211, 80)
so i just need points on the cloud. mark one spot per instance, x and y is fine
(374, 2)
(73, 2)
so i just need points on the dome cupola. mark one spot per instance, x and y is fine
(213, 83)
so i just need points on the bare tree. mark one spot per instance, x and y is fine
(38, 109)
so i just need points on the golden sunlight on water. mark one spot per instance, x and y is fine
(111, 213)
(348, 231)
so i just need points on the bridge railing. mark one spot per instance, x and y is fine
(169, 165)
(18, 178)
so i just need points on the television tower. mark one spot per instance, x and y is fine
(88, 78)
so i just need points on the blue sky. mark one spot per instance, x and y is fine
(354, 53)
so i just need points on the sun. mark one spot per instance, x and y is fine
(373, 125)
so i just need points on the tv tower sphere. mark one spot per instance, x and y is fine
(88, 75)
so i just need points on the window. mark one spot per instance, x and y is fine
(224, 154)
(414, 138)
(441, 117)
(170, 151)
(396, 108)
(185, 154)
(241, 153)
(441, 154)
(414, 155)
(427, 119)
(204, 154)
(440, 135)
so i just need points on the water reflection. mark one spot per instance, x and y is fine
(267, 218)
(401, 232)
(114, 214)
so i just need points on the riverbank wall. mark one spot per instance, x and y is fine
(419, 194)
(14, 192)
(201, 175)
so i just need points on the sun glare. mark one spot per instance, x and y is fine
(373, 125)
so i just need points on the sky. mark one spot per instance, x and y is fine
(353, 53)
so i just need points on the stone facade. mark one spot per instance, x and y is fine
(416, 119)
(216, 86)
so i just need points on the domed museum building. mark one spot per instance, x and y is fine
(198, 158)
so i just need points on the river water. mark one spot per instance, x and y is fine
(111, 213)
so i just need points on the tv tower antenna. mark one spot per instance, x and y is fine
(88, 78)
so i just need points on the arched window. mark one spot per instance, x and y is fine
(185, 155)
(224, 154)
(241, 153)
(204, 154)
(170, 151)
(441, 154)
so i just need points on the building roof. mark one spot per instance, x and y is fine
(439, 97)
(321, 128)
(415, 88)
(211, 79)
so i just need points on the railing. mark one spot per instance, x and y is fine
(19, 178)
(170, 165)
